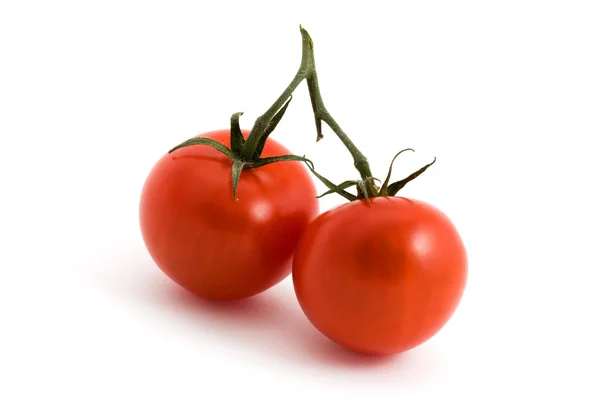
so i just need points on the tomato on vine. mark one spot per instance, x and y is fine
(222, 213)
(380, 274)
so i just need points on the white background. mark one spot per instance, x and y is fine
(505, 94)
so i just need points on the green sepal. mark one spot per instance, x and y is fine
(206, 142)
(362, 186)
(236, 172)
(338, 188)
(384, 187)
(330, 185)
(396, 186)
(236, 137)
(270, 160)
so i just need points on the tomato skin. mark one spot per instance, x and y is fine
(212, 245)
(380, 277)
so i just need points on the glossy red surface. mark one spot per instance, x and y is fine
(212, 245)
(380, 277)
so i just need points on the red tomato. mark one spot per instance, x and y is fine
(380, 277)
(212, 245)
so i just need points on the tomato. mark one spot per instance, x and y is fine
(380, 277)
(213, 245)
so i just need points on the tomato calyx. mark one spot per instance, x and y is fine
(365, 188)
(238, 143)
(392, 189)
(246, 153)
(235, 153)
(360, 184)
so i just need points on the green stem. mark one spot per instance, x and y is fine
(360, 161)
(262, 123)
(321, 114)
(308, 71)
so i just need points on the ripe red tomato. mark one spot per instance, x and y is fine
(380, 277)
(213, 245)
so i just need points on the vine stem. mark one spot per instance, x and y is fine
(262, 123)
(308, 71)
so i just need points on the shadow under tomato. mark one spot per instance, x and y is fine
(323, 350)
(271, 323)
